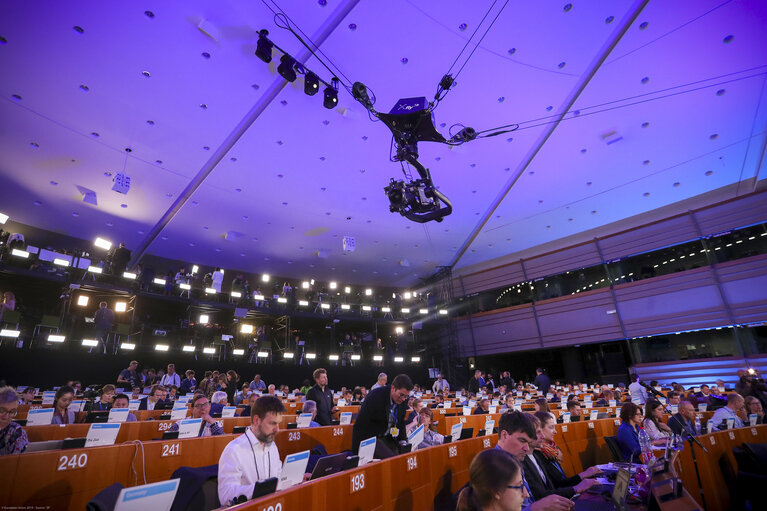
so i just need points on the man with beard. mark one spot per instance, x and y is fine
(253, 456)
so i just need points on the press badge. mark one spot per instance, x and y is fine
(395, 432)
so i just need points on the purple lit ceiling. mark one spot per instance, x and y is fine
(681, 96)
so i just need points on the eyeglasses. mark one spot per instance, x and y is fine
(515, 487)
(13, 412)
(202, 405)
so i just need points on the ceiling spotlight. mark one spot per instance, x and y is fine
(82, 301)
(311, 356)
(331, 98)
(415, 359)
(377, 358)
(209, 351)
(102, 243)
(333, 285)
(90, 342)
(287, 68)
(161, 347)
(333, 357)
(56, 338)
(264, 47)
(356, 357)
(287, 354)
(368, 292)
(303, 303)
(204, 319)
(399, 330)
(311, 83)
(127, 346)
(188, 348)
(399, 359)
(246, 329)
(4, 217)
(265, 277)
(121, 306)
(238, 351)
(262, 354)
(129, 275)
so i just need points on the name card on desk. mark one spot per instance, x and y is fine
(563, 404)
(489, 425)
(367, 451)
(467, 410)
(155, 496)
(189, 428)
(696, 389)
(702, 407)
(118, 415)
(278, 393)
(102, 434)
(594, 415)
(341, 402)
(492, 409)
(710, 426)
(455, 431)
(458, 394)
(611, 403)
(49, 397)
(472, 403)
(178, 412)
(39, 417)
(447, 404)
(495, 402)
(752, 419)
(730, 422)
(228, 411)
(610, 386)
(293, 470)
(517, 407)
(76, 406)
(346, 418)
(587, 397)
(416, 437)
(674, 408)
(303, 420)
(133, 404)
(588, 404)
(566, 418)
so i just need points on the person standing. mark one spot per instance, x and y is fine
(218, 278)
(382, 415)
(323, 396)
(382, 378)
(120, 260)
(102, 322)
(542, 381)
(637, 392)
(440, 385)
(129, 376)
(171, 377)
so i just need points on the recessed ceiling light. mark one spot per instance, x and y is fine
(643, 25)
(149, 14)
(645, 79)
(728, 39)
(147, 74)
(609, 19)
(78, 29)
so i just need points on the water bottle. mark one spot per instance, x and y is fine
(697, 425)
(645, 445)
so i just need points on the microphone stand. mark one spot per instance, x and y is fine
(691, 438)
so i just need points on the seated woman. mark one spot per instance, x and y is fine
(658, 431)
(61, 402)
(549, 457)
(26, 397)
(430, 438)
(104, 402)
(541, 405)
(217, 402)
(754, 406)
(628, 431)
(201, 410)
(13, 438)
(495, 483)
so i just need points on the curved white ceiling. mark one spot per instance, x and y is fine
(683, 90)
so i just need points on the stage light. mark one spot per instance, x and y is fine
(209, 351)
(129, 275)
(185, 287)
(346, 306)
(102, 243)
(195, 269)
(407, 295)
(210, 291)
(287, 354)
(56, 338)
(204, 319)
(287, 67)
(405, 310)
(159, 282)
(246, 329)
(347, 290)
(121, 307)
(325, 305)
(356, 357)
(264, 47)
(333, 357)
(161, 347)
(265, 277)
(398, 330)
(423, 311)
(60, 262)
(82, 300)
(311, 83)
(368, 292)
(333, 285)
(188, 348)
(19, 253)
(235, 294)
(367, 308)
(3, 218)
(282, 299)
(238, 351)
(127, 346)
(385, 309)
(90, 342)
(94, 269)
(415, 359)
(303, 303)
(377, 358)
(262, 354)
(399, 359)
(9, 333)
(258, 297)
(331, 98)
(443, 312)
(305, 285)
(311, 356)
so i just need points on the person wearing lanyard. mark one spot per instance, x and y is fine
(253, 456)
(382, 415)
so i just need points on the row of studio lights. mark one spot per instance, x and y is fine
(289, 69)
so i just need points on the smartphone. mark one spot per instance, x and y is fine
(575, 496)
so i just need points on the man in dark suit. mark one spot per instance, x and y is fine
(323, 396)
(542, 381)
(683, 423)
(475, 383)
(382, 415)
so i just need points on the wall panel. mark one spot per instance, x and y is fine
(648, 237)
(501, 331)
(571, 258)
(490, 279)
(578, 319)
(744, 283)
(736, 213)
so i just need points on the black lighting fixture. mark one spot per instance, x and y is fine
(264, 47)
(331, 95)
(311, 83)
(287, 67)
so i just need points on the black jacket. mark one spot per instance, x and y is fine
(543, 383)
(473, 385)
(540, 488)
(324, 402)
(676, 422)
(373, 419)
(556, 473)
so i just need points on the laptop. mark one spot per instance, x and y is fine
(466, 433)
(617, 499)
(46, 445)
(329, 465)
(97, 417)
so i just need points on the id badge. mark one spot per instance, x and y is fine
(394, 432)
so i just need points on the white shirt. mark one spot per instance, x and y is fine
(440, 386)
(170, 379)
(217, 277)
(637, 391)
(244, 462)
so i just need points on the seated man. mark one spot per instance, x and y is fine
(122, 401)
(425, 418)
(483, 407)
(683, 423)
(155, 400)
(574, 407)
(439, 401)
(251, 401)
(253, 456)
(201, 410)
(311, 407)
(604, 401)
(735, 406)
